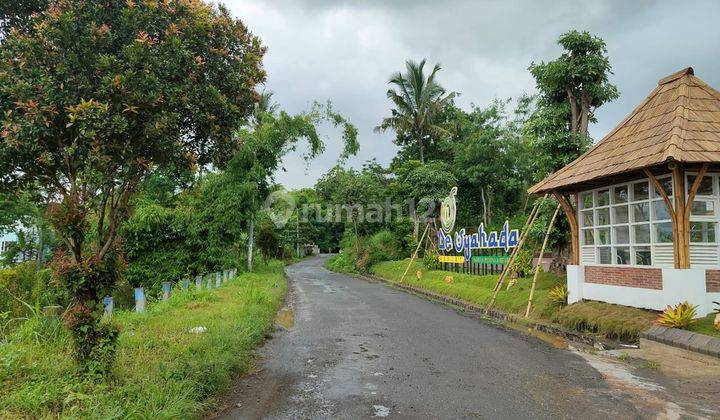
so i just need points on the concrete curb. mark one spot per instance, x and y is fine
(686, 340)
(502, 316)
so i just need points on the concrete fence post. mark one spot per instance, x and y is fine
(198, 283)
(209, 281)
(218, 279)
(186, 283)
(140, 301)
(108, 305)
(166, 286)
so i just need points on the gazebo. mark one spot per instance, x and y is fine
(643, 203)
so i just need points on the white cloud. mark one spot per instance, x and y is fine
(345, 51)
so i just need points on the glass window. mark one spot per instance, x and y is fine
(587, 217)
(667, 186)
(603, 236)
(588, 237)
(702, 208)
(642, 255)
(604, 255)
(620, 194)
(706, 185)
(660, 210)
(622, 255)
(641, 234)
(641, 191)
(603, 216)
(702, 232)
(622, 235)
(587, 200)
(663, 232)
(641, 212)
(603, 198)
(620, 214)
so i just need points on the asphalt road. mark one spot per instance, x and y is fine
(357, 349)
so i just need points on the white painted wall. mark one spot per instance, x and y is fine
(678, 285)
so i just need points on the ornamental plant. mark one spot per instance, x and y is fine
(95, 95)
(558, 295)
(681, 315)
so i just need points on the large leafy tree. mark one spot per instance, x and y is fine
(418, 100)
(96, 95)
(571, 88)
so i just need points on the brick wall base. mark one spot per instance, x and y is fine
(645, 278)
(712, 281)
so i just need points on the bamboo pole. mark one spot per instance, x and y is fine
(523, 235)
(414, 255)
(537, 267)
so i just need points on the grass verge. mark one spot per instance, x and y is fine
(162, 371)
(612, 321)
(705, 326)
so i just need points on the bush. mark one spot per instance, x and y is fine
(522, 264)
(681, 316)
(431, 261)
(26, 283)
(558, 295)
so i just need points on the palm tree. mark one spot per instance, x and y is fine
(418, 102)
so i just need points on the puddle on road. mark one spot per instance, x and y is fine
(285, 318)
(554, 340)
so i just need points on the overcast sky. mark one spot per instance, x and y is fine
(345, 51)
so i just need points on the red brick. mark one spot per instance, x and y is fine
(646, 278)
(712, 281)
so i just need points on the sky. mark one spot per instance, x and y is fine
(345, 51)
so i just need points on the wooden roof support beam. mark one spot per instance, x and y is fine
(658, 186)
(571, 215)
(688, 208)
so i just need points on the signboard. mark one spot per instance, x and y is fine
(452, 259)
(490, 259)
(464, 243)
(448, 209)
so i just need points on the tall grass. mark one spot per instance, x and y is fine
(163, 370)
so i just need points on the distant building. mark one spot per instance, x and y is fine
(6, 241)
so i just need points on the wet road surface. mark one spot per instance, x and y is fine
(356, 349)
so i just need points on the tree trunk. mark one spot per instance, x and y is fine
(251, 239)
(584, 113)
(484, 204)
(573, 110)
(416, 227)
(421, 145)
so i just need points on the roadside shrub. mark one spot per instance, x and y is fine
(558, 295)
(522, 264)
(681, 315)
(25, 283)
(431, 261)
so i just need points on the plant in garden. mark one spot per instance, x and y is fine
(522, 264)
(97, 95)
(681, 315)
(558, 295)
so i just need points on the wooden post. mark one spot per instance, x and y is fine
(673, 215)
(414, 255)
(537, 267)
(574, 227)
(688, 206)
(528, 224)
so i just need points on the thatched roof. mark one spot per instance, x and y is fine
(679, 121)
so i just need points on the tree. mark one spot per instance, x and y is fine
(273, 134)
(18, 14)
(418, 100)
(98, 95)
(571, 88)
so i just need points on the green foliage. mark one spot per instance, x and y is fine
(25, 283)
(559, 295)
(571, 88)
(431, 261)
(162, 370)
(267, 240)
(418, 100)
(522, 264)
(681, 315)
